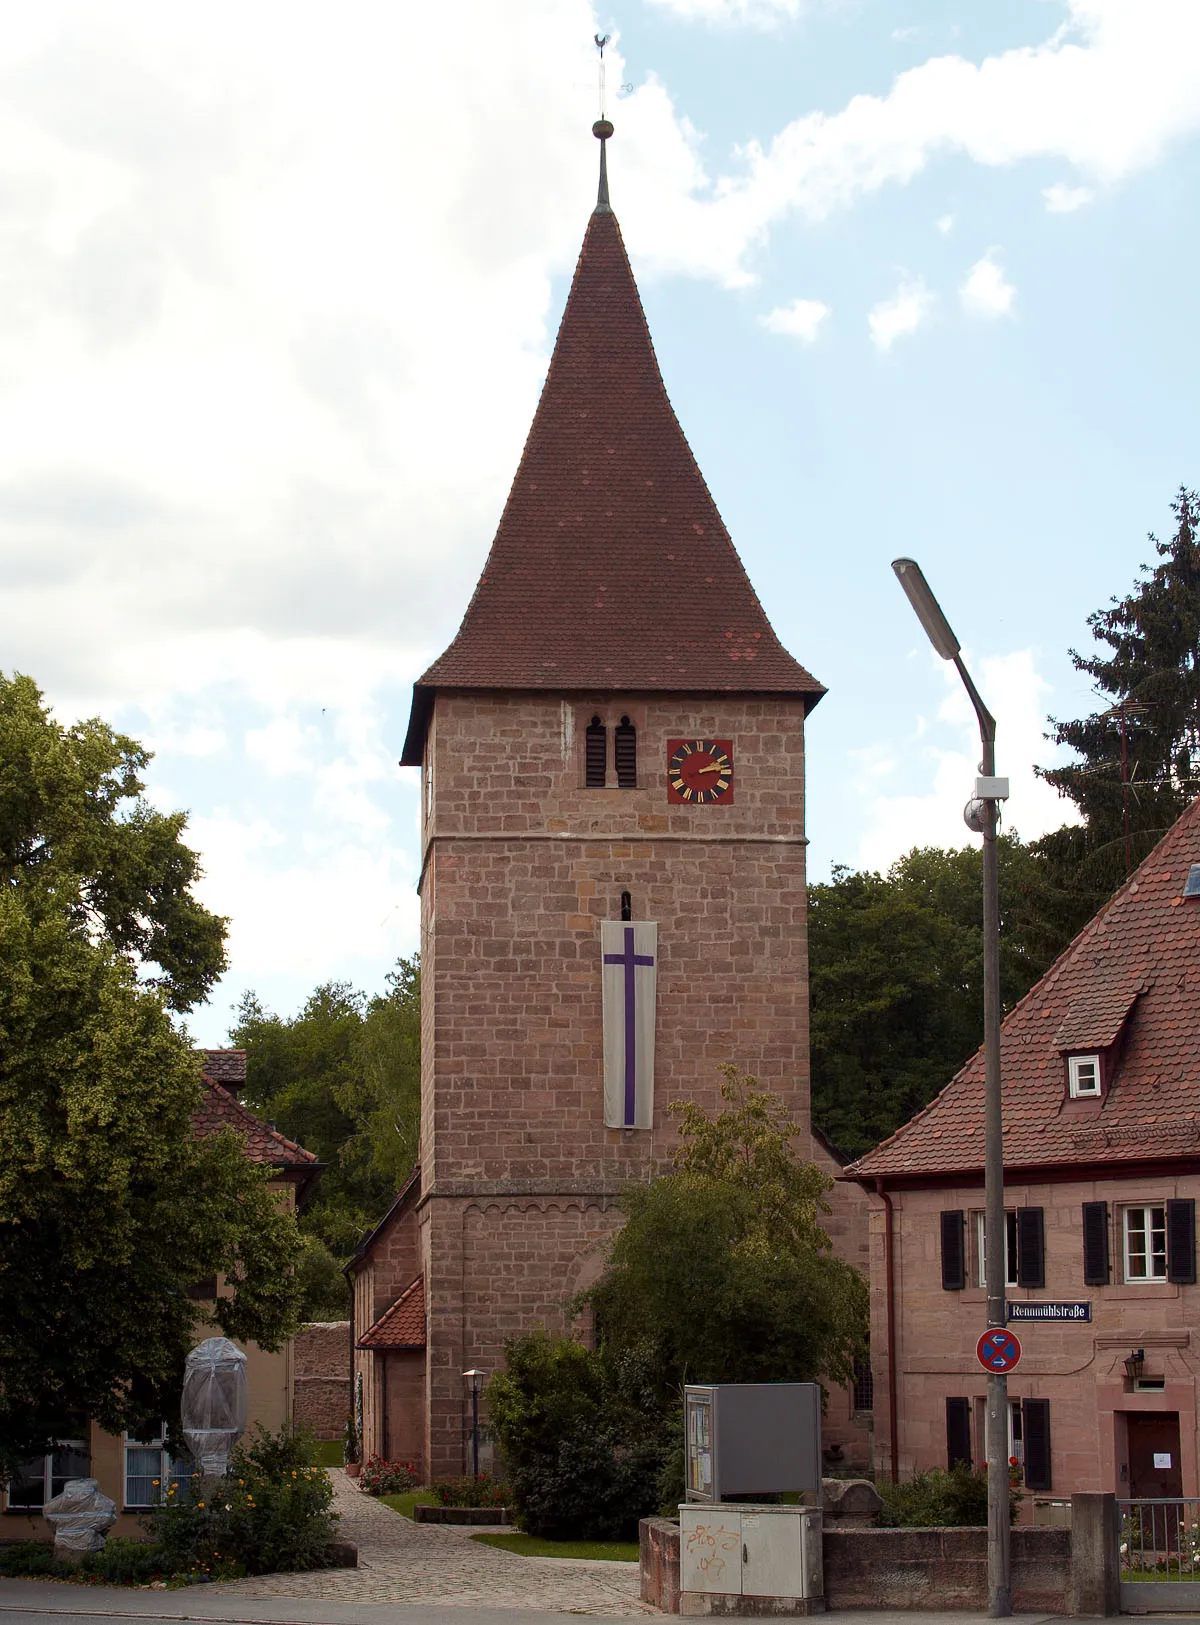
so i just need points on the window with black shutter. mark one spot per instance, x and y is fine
(958, 1432)
(625, 753)
(1035, 1416)
(1095, 1244)
(1181, 1242)
(595, 754)
(954, 1250)
(1031, 1247)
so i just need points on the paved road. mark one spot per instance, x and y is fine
(405, 1562)
(29, 1602)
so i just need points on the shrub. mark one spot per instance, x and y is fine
(351, 1449)
(379, 1477)
(581, 1436)
(935, 1499)
(484, 1491)
(270, 1512)
(32, 1558)
(126, 1562)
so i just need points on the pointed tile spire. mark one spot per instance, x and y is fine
(611, 567)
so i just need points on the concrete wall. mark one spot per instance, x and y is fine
(1077, 1367)
(321, 1379)
(898, 1568)
(944, 1568)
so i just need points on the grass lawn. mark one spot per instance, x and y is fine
(614, 1551)
(405, 1500)
(329, 1452)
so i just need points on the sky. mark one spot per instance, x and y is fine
(278, 286)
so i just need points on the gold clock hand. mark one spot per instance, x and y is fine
(715, 767)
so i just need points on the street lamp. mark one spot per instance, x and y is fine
(982, 815)
(475, 1380)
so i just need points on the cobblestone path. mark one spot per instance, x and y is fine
(402, 1561)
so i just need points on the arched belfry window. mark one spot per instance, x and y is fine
(595, 754)
(625, 751)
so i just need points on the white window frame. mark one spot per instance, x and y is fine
(1144, 1213)
(1083, 1088)
(34, 1508)
(1010, 1247)
(176, 1470)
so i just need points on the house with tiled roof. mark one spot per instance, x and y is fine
(615, 734)
(1100, 1067)
(125, 1468)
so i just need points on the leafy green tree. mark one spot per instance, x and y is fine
(110, 1207)
(324, 1290)
(722, 1272)
(896, 980)
(75, 827)
(1146, 669)
(343, 1078)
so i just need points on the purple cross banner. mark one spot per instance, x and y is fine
(629, 956)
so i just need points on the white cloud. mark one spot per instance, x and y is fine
(759, 13)
(945, 224)
(1063, 199)
(900, 315)
(985, 291)
(802, 319)
(1107, 93)
(945, 757)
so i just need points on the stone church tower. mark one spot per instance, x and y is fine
(615, 732)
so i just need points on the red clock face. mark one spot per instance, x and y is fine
(699, 771)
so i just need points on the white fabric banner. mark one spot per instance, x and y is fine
(628, 959)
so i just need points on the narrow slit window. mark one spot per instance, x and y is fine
(625, 751)
(595, 754)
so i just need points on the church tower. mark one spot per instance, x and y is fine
(613, 881)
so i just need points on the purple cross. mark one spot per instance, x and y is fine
(630, 960)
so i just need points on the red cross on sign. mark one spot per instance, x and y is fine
(998, 1350)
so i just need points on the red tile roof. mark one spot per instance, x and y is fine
(219, 1109)
(1138, 959)
(403, 1325)
(611, 568)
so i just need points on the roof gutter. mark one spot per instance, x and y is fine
(889, 1273)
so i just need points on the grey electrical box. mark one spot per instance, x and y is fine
(751, 1438)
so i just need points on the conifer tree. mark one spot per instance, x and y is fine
(1139, 754)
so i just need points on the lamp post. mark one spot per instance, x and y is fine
(982, 816)
(475, 1379)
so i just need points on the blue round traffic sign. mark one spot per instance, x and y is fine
(998, 1350)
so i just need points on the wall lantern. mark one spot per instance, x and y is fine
(1135, 1365)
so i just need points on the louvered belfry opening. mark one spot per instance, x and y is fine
(625, 752)
(596, 754)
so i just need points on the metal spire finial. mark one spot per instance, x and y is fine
(602, 129)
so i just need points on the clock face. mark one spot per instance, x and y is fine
(699, 770)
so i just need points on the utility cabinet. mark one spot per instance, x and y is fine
(751, 1438)
(764, 1555)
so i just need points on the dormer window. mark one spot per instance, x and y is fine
(1083, 1076)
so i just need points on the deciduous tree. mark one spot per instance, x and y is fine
(722, 1268)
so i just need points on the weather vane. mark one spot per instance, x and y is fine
(601, 41)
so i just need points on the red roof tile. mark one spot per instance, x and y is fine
(403, 1325)
(219, 1109)
(1136, 964)
(226, 1066)
(611, 568)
